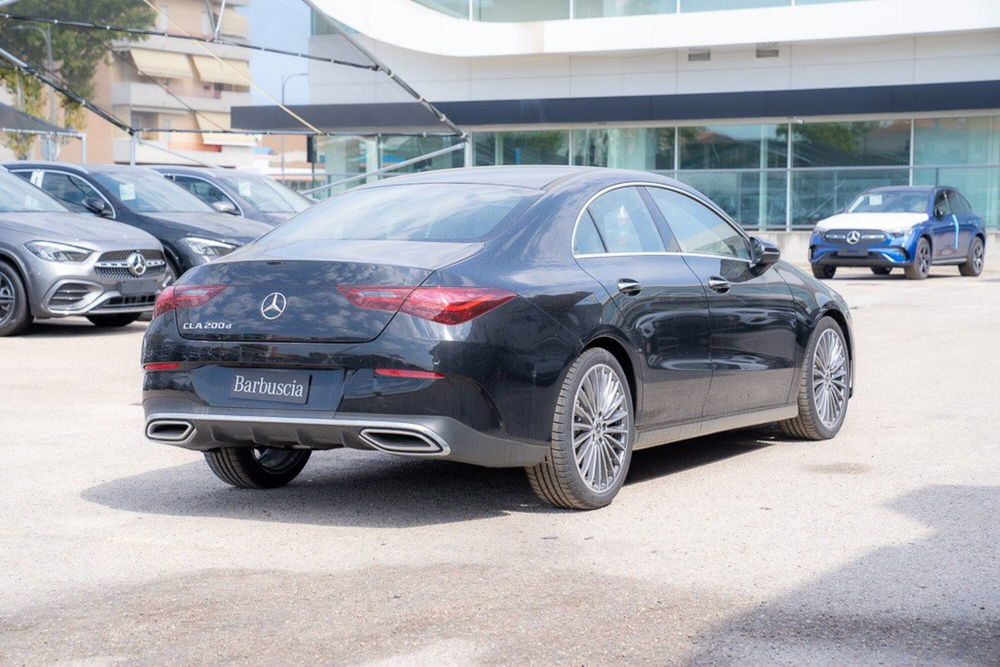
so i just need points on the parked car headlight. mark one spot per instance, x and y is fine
(57, 252)
(207, 247)
(819, 231)
(902, 231)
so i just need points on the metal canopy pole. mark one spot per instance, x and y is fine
(381, 67)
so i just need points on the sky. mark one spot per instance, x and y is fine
(282, 24)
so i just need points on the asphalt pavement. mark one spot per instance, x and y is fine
(881, 546)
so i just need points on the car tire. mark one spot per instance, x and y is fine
(974, 263)
(920, 267)
(582, 477)
(817, 418)
(113, 321)
(15, 315)
(824, 272)
(263, 468)
(881, 270)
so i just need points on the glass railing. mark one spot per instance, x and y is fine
(550, 10)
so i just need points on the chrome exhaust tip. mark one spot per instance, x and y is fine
(404, 441)
(169, 430)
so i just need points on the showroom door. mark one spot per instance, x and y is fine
(660, 303)
(753, 319)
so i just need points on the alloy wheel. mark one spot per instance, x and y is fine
(829, 378)
(977, 257)
(924, 259)
(601, 427)
(8, 298)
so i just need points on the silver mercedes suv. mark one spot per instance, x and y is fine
(54, 263)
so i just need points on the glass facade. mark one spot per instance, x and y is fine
(767, 176)
(548, 10)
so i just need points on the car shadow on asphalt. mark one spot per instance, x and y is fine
(932, 600)
(72, 327)
(353, 488)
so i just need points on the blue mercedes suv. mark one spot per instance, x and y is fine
(910, 228)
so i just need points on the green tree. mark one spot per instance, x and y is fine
(76, 52)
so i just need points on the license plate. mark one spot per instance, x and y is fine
(280, 386)
(853, 253)
(132, 287)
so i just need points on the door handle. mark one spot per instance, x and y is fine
(720, 285)
(629, 286)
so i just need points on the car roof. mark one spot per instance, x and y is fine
(906, 188)
(184, 169)
(69, 166)
(533, 177)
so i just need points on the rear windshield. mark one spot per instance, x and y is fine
(891, 201)
(418, 212)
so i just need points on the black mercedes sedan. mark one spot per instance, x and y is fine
(191, 231)
(550, 318)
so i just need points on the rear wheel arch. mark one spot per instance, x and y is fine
(620, 353)
(841, 321)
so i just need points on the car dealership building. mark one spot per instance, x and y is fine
(780, 110)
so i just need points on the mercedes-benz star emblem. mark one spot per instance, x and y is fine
(853, 237)
(136, 264)
(273, 305)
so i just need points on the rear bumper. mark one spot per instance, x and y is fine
(203, 428)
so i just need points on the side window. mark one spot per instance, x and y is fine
(959, 204)
(26, 175)
(587, 241)
(69, 189)
(203, 190)
(941, 204)
(624, 222)
(697, 228)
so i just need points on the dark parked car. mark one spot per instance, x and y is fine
(253, 196)
(552, 318)
(191, 231)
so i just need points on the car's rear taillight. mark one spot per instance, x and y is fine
(445, 305)
(185, 296)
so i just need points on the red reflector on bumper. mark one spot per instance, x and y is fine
(397, 373)
(162, 366)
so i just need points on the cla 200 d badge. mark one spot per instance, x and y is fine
(554, 319)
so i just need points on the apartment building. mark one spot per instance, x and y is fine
(161, 82)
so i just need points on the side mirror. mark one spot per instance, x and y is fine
(763, 253)
(97, 205)
(225, 207)
(939, 213)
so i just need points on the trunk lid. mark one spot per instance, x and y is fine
(288, 292)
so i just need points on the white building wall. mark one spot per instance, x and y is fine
(896, 60)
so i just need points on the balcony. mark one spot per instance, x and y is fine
(151, 97)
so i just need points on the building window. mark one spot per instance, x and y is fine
(625, 148)
(852, 144)
(539, 147)
(393, 150)
(520, 10)
(733, 146)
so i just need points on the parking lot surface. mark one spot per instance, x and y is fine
(881, 546)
